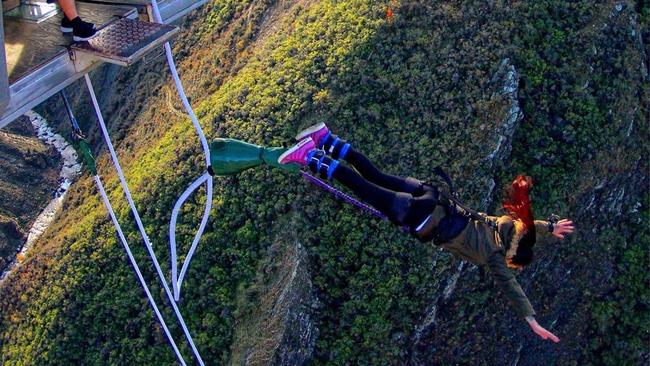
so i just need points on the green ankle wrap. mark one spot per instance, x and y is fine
(230, 156)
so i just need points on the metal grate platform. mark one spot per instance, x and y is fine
(125, 41)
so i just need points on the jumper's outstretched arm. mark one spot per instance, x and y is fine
(541, 331)
(563, 227)
(560, 229)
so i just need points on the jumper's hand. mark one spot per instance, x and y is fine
(540, 331)
(562, 227)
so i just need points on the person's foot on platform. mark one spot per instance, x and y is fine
(66, 25)
(81, 31)
(299, 153)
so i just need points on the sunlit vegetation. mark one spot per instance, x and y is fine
(413, 90)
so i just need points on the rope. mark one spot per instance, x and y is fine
(148, 245)
(177, 281)
(172, 228)
(89, 161)
(107, 203)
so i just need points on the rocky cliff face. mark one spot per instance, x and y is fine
(28, 182)
(277, 325)
(576, 285)
(505, 83)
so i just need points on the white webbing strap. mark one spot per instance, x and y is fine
(138, 221)
(178, 280)
(107, 203)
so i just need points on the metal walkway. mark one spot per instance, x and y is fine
(29, 46)
(124, 41)
(37, 60)
(38, 64)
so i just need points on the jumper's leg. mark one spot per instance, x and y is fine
(369, 171)
(340, 149)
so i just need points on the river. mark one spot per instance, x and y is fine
(69, 172)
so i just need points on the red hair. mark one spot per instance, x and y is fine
(517, 202)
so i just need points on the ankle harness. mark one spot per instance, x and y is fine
(335, 146)
(321, 164)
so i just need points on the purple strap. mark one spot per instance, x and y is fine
(338, 194)
(346, 197)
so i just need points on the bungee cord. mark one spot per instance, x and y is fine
(89, 160)
(206, 177)
(136, 268)
(138, 220)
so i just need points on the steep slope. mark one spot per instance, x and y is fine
(275, 321)
(60, 262)
(584, 138)
(485, 89)
(29, 178)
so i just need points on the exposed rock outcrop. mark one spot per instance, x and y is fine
(508, 78)
(506, 81)
(278, 327)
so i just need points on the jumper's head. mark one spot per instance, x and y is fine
(519, 207)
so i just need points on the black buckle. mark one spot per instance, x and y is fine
(553, 218)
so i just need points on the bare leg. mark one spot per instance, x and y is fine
(69, 9)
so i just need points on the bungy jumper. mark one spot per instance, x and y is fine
(429, 212)
(123, 41)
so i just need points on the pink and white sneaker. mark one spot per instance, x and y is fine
(317, 132)
(299, 153)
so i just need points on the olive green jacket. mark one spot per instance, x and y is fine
(480, 244)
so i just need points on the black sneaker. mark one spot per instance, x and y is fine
(82, 31)
(66, 25)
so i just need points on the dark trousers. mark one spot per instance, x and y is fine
(404, 201)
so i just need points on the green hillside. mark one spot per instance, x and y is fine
(426, 84)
